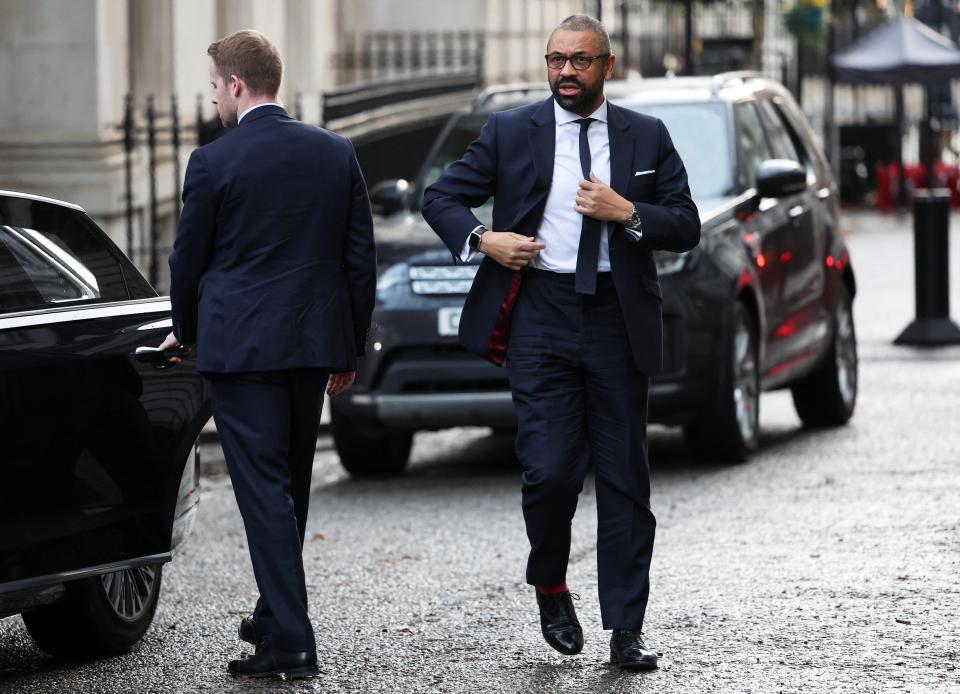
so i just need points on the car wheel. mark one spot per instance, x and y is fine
(98, 616)
(728, 428)
(368, 449)
(828, 396)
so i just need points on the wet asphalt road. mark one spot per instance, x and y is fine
(829, 563)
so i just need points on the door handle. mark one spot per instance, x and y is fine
(823, 193)
(796, 211)
(159, 358)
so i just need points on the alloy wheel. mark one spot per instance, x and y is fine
(746, 393)
(129, 590)
(846, 354)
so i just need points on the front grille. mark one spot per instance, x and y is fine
(442, 279)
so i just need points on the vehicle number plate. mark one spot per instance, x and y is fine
(448, 320)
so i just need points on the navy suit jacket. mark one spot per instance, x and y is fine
(274, 265)
(512, 160)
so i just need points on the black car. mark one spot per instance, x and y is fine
(763, 302)
(99, 468)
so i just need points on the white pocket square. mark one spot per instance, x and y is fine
(644, 173)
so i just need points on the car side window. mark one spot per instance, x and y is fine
(50, 255)
(753, 148)
(780, 141)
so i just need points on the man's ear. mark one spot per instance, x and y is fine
(611, 61)
(235, 85)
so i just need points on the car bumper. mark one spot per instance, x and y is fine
(422, 411)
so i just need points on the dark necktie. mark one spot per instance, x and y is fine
(588, 253)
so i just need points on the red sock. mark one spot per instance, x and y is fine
(553, 590)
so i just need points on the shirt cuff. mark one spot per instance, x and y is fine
(634, 234)
(466, 255)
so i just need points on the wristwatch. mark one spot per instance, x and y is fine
(633, 221)
(474, 239)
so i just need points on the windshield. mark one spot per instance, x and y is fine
(699, 132)
(464, 131)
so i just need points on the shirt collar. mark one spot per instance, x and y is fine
(271, 103)
(562, 116)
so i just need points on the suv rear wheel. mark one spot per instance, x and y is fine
(828, 395)
(101, 615)
(367, 448)
(728, 428)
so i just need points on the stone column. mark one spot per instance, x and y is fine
(63, 67)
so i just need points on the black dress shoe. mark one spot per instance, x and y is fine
(628, 650)
(558, 622)
(248, 631)
(268, 662)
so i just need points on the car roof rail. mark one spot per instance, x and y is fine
(40, 198)
(491, 93)
(734, 77)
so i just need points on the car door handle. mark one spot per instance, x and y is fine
(796, 211)
(159, 357)
(823, 193)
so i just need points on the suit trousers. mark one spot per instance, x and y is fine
(268, 423)
(581, 401)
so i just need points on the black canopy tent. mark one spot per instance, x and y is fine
(904, 51)
(900, 51)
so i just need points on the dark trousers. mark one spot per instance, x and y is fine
(580, 400)
(268, 424)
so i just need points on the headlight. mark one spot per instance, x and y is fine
(670, 263)
(394, 275)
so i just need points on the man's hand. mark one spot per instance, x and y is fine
(510, 250)
(337, 383)
(169, 342)
(598, 200)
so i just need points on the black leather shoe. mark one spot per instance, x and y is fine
(628, 650)
(558, 622)
(248, 631)
(269, 662)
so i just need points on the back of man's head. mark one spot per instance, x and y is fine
(252, 57)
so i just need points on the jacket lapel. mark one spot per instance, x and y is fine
(543, 141)
(542, 138)
(621, 149)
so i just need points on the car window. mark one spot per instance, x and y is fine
(701, 137)
(780, 140)
(752, 145)
(803, 154)
(49, 255)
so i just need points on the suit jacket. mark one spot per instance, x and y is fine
(274, 265)
(512, 160)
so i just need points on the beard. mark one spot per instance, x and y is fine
(574, 102)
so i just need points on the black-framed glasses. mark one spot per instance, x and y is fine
(556, 61)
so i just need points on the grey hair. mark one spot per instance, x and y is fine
(584, 22)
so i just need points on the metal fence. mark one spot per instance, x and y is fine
(379, 56)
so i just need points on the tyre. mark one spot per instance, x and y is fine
(727, 428)
(369, 449)
(828, 396)
(98, 616)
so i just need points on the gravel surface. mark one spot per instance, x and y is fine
(829, 563)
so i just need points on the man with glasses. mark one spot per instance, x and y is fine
(567, 297)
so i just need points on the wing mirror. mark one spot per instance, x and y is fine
(388, 197)
(777, 178)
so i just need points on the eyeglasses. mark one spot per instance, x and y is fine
(556, 61)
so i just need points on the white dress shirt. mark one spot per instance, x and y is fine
(560, 226)
(271, 103)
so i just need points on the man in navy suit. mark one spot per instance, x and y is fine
(273, 278)
(567, 296)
